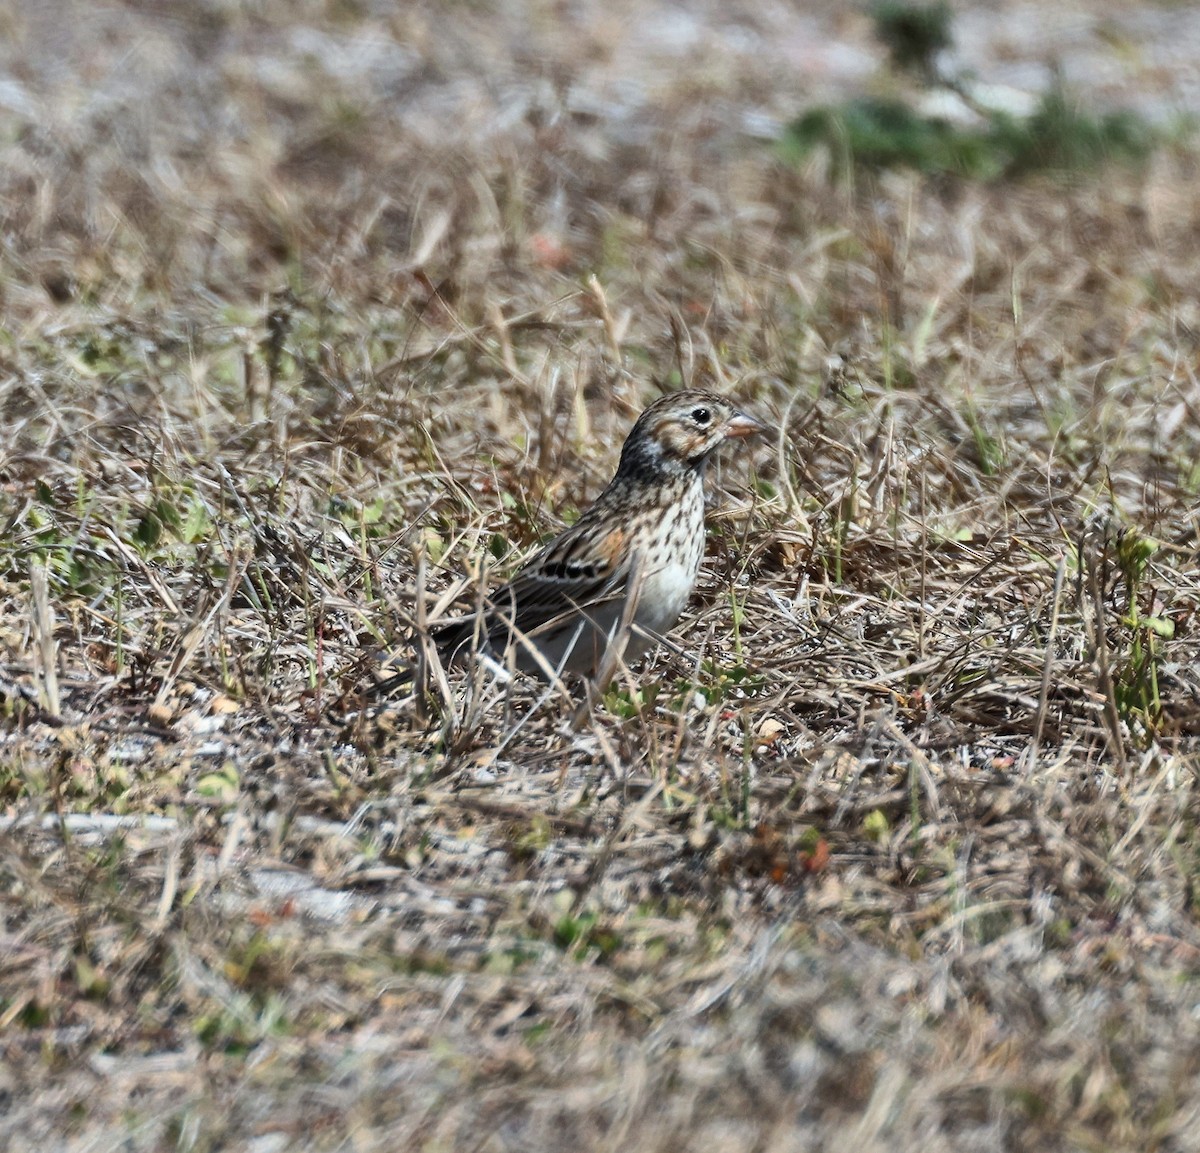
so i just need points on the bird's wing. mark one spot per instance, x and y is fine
(580, 570)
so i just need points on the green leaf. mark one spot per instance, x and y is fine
(1160, 626)
(875, 826)
(148, 532)
(221, 785)
(196, 525)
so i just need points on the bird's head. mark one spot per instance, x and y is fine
(682, 430)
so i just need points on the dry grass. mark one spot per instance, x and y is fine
(894, 852)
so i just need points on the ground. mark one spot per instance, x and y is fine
(317, 313)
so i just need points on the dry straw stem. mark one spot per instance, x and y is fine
(891, 844)
(45, 647)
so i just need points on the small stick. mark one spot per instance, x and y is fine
(616, 647)
(596, 291)
(421, 648)
(1048, 665)
(47, 650)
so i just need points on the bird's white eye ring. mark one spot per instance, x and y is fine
(701, 415)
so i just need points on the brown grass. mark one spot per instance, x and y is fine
(892, 852)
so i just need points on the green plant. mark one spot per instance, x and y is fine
(914, 34)
(719, 681)
(584, 933)
(1136, 674)
(873, 133)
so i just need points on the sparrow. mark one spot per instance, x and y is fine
(609, 586)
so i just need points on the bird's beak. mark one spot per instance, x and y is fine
(740, 425)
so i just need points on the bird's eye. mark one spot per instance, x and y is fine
(701, 416)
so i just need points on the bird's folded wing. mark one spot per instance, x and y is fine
(580, 571)
(536, 601)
